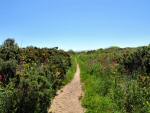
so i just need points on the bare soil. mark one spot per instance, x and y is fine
(68, 98)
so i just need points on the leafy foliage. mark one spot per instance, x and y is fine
(119, 77)
(30, 77)
(138, 61)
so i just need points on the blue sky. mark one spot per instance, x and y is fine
(76, 24)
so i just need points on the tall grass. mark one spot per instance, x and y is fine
(107, 90)
(96, 88)
(71, 71)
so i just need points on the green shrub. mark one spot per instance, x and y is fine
(32, 77)
(116, 80)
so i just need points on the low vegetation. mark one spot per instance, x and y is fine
(116, 80)
(70, 74)
(30, 77)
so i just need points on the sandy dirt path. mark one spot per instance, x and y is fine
(68, 99)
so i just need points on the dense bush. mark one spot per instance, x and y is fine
(119, 77)
(9, 50)
(30, 77)
(137, 61)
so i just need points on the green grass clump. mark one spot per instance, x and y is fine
(71, 71)
(96, 90)
(111, 84)
(93, 101)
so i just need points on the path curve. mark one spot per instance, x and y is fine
(68, 100)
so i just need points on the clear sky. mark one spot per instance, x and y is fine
(76, 24)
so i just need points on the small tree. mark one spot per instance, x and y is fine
(9, 50)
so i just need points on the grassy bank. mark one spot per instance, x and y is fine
(71, 71)
(109, 86)
(96, 89)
